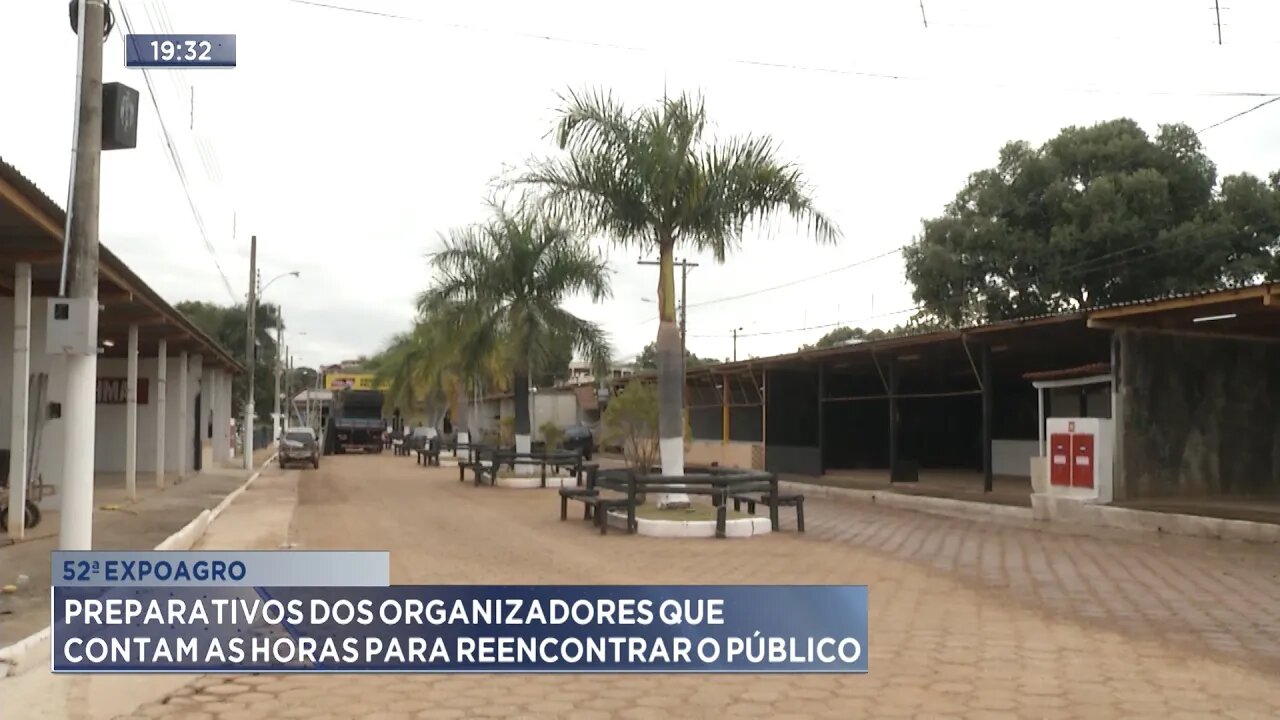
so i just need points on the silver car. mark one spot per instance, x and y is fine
(299, 447)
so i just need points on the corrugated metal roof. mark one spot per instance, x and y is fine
(46, 204)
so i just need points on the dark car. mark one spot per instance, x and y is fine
(579, 437)
(299, 446)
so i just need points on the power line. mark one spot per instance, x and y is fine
(1259, 106)
(177, 166)
(782, 65)
(797, 281)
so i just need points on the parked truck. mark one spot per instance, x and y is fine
(355, 422)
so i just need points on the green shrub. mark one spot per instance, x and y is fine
(552, 434)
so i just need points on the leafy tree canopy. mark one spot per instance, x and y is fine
(227, 326)
(648, 358)
(1096, 215)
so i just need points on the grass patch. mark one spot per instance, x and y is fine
(695, 512)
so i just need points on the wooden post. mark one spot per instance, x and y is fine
(822, 393)
(987, 412)
(893, 417)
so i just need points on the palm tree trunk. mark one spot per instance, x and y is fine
(462, 427)
(670, 379)
(524, 437)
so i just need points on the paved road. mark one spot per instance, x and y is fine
(967, 620)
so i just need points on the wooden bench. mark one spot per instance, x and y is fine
(773, 503)
(586, 487)
(718, 483)
(429, 454)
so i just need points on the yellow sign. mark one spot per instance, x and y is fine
(344, 381)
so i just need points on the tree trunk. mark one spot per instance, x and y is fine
(670, 380)
(462, 426)
(524, 438)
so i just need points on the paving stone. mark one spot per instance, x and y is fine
(969, 619)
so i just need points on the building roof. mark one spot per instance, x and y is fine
(31, 226)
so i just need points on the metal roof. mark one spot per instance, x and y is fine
(112, 269)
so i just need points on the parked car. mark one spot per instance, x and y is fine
(579, 437)
(299, 446)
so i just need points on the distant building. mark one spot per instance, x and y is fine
(580, 373)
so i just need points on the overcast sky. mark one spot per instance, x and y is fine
(348, 142)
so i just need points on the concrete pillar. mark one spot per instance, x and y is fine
(199, 425)
(221, 437)
(19, 412)
(131, 418)
(162, 370)
(184, 420)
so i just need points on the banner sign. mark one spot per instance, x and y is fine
(182, 613)
(351, 381)
(114, 391)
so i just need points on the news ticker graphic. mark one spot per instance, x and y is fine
(325, 615)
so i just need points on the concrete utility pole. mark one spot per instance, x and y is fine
(277, 422)
(684, 266)
(251, 309)
(735, 343)
(80, 407)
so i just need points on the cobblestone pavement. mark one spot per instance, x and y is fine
(1211, 596)
(956, 629)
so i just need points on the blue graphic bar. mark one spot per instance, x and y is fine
(187, 51)
(275, 568)
(453, 628)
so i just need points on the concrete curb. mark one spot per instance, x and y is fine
(13, 655)
(1059, 514)
(918, 503)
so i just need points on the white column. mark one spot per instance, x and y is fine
(131, 418)
(162, 370)
(1040, 417)
(184, 437)
(79, 421)
(19, 412)
(221, 452)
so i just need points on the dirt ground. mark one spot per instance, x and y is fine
(942, 644)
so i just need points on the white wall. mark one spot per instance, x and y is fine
(109, 443)
(559, 408)
(51, 442)
(1013, 457)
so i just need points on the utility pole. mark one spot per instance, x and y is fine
(684, 266)
(277, 421)
(735, 343)
(249, 350)
(81, 269)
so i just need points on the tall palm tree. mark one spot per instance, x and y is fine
(498, 290)
(649, 178)
(422, 366)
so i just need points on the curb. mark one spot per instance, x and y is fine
(1061, 515)
(918, 503)
(184, 539)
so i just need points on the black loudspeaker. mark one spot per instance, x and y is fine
(119, 117)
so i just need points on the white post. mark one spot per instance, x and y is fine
(222, 416)
(79, 418)
(131, 418)
(1040, 415)
(19, 412)
(162, 370)
(184, 437)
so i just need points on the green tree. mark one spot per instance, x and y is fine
(649, 179)
(227, 326)
(648, 358)
(423, 368)
(630, 421)
(498, 293)
(1096, 215)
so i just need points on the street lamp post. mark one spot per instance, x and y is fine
(277, 420)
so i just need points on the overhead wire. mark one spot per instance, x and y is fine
(176, 161)
(780, 65)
